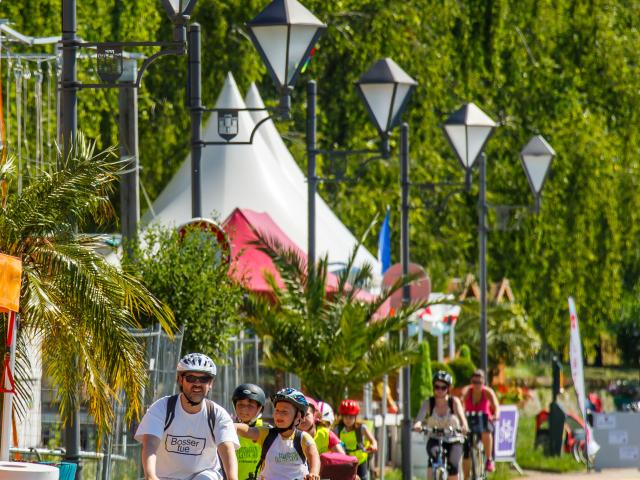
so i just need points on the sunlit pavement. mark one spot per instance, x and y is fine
(609, 474)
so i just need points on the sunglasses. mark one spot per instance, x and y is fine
(442, 388)
(476, 382)
(197, 379)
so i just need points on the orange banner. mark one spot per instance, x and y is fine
(10, 281)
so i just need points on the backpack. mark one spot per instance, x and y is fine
(359, 436)
(268, 441)
(432, 404)
(171, 413)
(337, 466)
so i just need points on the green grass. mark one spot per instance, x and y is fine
(535, 459)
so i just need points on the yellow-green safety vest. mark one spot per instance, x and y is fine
(350, 442)
(248, 455)
(322, 439)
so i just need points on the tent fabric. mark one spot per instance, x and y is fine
(249, 263)
(261, 176)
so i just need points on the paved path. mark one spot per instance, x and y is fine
(609, 474)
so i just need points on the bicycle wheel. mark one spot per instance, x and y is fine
(479, 462)
(440, 473)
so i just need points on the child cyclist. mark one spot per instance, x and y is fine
(326, 440)
(355, 436)
(248, 402)
(287, 453)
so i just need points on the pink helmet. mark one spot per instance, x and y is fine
(312, 403)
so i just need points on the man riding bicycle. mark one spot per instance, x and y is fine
(482, 403)
(186, 436)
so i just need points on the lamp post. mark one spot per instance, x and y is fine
(110, 70)
(386, 89)
(468, 129)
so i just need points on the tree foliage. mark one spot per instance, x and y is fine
(187, 273)
(75, 304)
(566, 69)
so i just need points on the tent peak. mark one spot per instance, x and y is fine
(253, 99)
(230, 96)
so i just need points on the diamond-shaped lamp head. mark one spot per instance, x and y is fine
(284, 34)
(468, 130)
(179, 9)
(385, 89)
(536, 157)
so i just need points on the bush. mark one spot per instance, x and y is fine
(421, 387)
(463, 369)
(435, 366)
(465, 352)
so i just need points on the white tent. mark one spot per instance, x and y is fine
(262, 176)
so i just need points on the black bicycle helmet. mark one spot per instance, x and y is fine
(443, 376)
(249, 391)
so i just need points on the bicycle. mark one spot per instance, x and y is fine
(477, 422)
(439, 464)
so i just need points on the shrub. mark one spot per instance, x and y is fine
(421, 386)
(465, 352)
(463, 369)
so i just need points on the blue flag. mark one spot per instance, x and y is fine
(384, 244)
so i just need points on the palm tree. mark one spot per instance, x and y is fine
(72, 301)
(334, 342)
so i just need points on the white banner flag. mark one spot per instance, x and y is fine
(577, 373)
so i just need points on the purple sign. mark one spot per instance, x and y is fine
(506, 430)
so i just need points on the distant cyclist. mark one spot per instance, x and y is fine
(444, 411)
(287, 452)
(248, 401)
(326, 440)
(186, 436)
(479, 398)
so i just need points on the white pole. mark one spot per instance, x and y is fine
(440, 348)
(7, 401)
(452, 341)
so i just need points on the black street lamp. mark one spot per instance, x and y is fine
(385, 89)
(284, 34)
(468, 129)
(536, 157)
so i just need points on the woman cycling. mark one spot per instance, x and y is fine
(444, 411)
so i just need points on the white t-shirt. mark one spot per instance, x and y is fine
(186, 448)
(283, 461)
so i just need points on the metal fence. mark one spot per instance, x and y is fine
(121, 452)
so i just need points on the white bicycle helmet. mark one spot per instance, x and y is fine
(197, 362)
(326, 413)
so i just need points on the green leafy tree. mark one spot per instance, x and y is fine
(465, 352)
(511, 337)
(565, 69)
(79, 307)
(328, 337)
(187, 273)
(421, 385)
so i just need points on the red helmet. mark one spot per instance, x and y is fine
(349, 407)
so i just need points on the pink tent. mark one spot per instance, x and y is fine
(249, 264)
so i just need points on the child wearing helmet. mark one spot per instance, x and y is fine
(248, 402)
(287, 452)
(444, 411)
(325, 439)
(355, 436)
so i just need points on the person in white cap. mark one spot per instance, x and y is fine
(187, 436)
